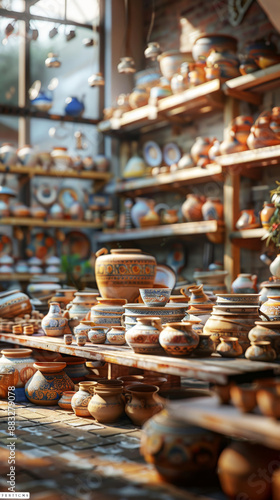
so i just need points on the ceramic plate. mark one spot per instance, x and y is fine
(6, 245)
(77, 243)
(171, 153)
(41, 245)
(66, 198)
(165, 277)
(152, 154)
(46, 195)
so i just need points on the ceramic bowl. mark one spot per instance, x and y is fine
(168, 310)
(233, 309)
(107, 321)
(242, 299)
(155, 297)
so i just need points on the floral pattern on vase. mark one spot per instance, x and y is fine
(46, 386)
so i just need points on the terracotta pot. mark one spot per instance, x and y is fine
(192, 207)
(198, 299)
(199, 150)
(267, 330)
(143, 338)
(205, 346)
(65, 401)
(22, 361)
(81, 339)
(178, 339)
(46, 386)
(229, 347)
(244, 397)
(163, 437)
(7, 379)
(268, 400)
(14, 303)
(97, 335)
(266, 213)
(213, 209)
(275, 267)
(107, 405)
(239, 463)
(138, 97)
(141, 404)
(116, 335)
(83, 327)
(237, 325)
(245, 283)
(54, 323)
(123, 272)
(260, 351)
(75, 368)
(81, 399)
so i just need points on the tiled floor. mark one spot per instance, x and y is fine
(61, 456)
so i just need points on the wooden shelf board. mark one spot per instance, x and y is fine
(257, 82)
(26, 276)
(256, 233)
(37, 170)
(199, 99)
(215, 370)
(6, 109)
(29, 221)
(224, 419)
(169, 230)
(261, 157)
(169, 181)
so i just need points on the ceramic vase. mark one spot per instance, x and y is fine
(266, 213)
(65, 401)
(143, 338)
(116, 335)
(8, 154)
(260, 351)
(83, 327)
(141, 405)
(14, 303)
(54, 323)
(199, 151)
(271, 308)
(22, 361)
(81, 399)
(97, 335)
(46, 386)
(178, 339)
(138, 210)
(192, 207)
(265, 330)
(275, 267)
(229, 347)
(76, 368)
(123, 272)
(107, 404)
(212, 209)
(205, 346)
(245, 283)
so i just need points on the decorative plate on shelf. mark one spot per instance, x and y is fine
(171, 153)
(41, 245)
(66, 197)
(46, 194)
(165, 277)
(77, 243)
(6, 245)
(152, 154)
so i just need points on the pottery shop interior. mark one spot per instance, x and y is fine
(139, 249)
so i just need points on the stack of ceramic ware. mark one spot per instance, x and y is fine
(168, 314)
(82, 304)
(212, 281)
(233, 316)
(6, 264)
(200, 306)
(64, 296)
(107, 312)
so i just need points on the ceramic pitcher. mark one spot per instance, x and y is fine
(54, 323)
(245, 283)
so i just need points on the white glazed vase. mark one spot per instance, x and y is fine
(275, 267)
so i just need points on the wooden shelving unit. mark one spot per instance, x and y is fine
(28, 221)
(167, 231)
(27, 112)
(248, 234)
(39, 171)
(25, 276)
(262, 157)
(251, 87)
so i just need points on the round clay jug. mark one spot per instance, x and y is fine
(54, 323)
(14, 303)
(192, 207)
(205, 346)
(178, 339)
(245, 283)
(107, 405)
(164, 437)
(143, 338)
(22, 361)
(141, 405)
(213, 209)
(65, 401)
(123, 272)
(239, 463)
(83, 327)
(81, 399)
(116, 335)
(260, 351)
(199, 150)
(97, 335)
(229, 347)
(46, 386)
(266, 330)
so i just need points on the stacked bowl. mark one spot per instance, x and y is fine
(107, 312)
(168, 314)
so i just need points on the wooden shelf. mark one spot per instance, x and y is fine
(209, 414)
(251, 87)
(262, 157)
(246, 234)
(29, 221)
(27, 112)
(181, 107)
(166, 182)
(215, 370)
(39, 171)
(169, 230)
(26, 276)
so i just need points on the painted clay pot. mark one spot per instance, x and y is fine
(97, 335)
(205, 346)
(260, 351)
(76, 368)
(266, 213)
(138, 97)
(155, 297)
(271, 308)
(22, 361)
(7, 379)
(170, 62)
(81, 339)
(212, 209)
(8, 154)
(178, 339)
(123, 272)
(141, 404)
(83, 327)
(199, 151)
(14, 303)
(239, 463)
(54, 323)
(163, 437)
(107, 405)
(65, 401)
(116, 335)
(229, 347)
(192, 207)
(267, 330)
(81, 399)
(143, 338)
(275, 267)
(46, 386)
(245, 283)
(135, 167)
(207, 42)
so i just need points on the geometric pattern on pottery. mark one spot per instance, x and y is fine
(47, 387)
(158, 311)
(126, 273)
(149, 349)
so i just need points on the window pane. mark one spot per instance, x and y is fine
(16, 5)
(9, 129)
(9, 64)
(82, 12)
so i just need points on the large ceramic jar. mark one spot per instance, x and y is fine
(143, 338)
(192, 207)
(107, 405)
(46, 386)
(245, 283)
(180, 452)
(22, 361)
(178, 339)
(121, 273)
(14, 303)
(54, 323)
(141, 404)
(81, 399)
